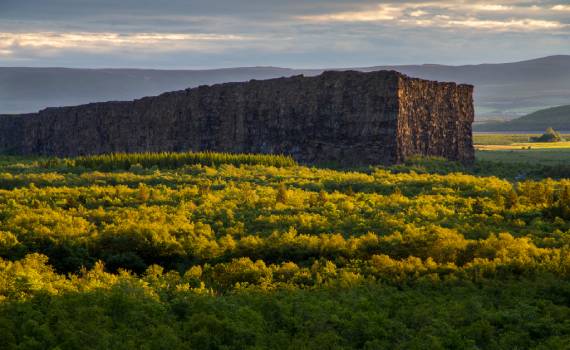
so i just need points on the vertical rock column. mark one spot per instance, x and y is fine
(435, 119)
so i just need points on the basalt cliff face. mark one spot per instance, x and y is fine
(346, 118)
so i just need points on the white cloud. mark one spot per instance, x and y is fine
(418, 13)
(492, 7)
(513, 16)
(380, 13)
(561, 8)
(506, 25)
(110, 41)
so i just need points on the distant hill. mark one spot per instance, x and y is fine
(24, 90)
(556, 117)
(502, 91)
(507, 90)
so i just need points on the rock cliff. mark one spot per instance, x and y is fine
(347, 118)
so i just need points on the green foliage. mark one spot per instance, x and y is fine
(160, 310)
(550, 135)
(429, 254)
(169, 160)
(535, 164)
(282, 194)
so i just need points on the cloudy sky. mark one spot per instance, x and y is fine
(290, 33)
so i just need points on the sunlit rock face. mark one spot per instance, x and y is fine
(338, 118)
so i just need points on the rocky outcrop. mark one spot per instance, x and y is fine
(347, 118)
(435, 119)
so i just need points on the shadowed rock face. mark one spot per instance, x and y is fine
(346, 118)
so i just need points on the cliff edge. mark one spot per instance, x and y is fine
(346, 118)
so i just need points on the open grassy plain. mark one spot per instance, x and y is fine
(516, 148)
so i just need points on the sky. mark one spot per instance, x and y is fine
(198, 34)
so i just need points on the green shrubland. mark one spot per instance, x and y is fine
(550, 135)
(169, 160)
(250, 252)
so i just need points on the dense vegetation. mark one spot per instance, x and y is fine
(555, 117)
(550, 135)
(143, 252)
(169, 160)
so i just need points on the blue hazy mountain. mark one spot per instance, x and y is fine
(502, 91)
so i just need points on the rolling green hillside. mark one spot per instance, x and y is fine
(556, 117)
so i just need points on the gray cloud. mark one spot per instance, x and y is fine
(314, 33)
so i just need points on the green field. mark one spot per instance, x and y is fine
(221, 251)
(500, 139)
(505, 139)
(516, 148)
(542, 156)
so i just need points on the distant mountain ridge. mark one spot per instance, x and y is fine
(505, 90)
(555, 117)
